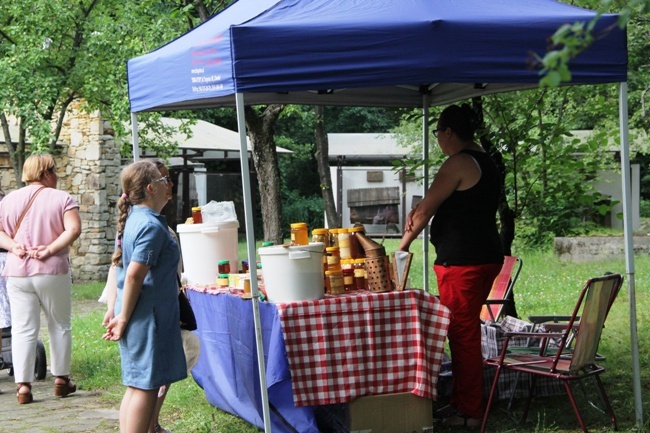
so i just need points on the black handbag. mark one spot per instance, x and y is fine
(188, 320)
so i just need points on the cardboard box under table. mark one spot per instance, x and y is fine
(319, 354)
(392, 413)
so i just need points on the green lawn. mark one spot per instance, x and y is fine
(546, 285)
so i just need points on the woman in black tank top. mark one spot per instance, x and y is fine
(462, 200)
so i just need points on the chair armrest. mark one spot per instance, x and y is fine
(531, 334)
(554, 319)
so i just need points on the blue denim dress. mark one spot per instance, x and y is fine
(151, 349)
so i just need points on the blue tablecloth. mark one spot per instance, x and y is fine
(227, 366)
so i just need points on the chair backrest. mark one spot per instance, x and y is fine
(594, 303)
(501, 288)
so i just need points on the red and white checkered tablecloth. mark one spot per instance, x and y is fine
(345, 347)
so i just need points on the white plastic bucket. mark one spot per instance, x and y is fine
(203, 245)
(293, 273)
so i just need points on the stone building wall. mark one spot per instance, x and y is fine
(88, 168)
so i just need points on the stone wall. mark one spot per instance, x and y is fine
(597, 248)
(88, 168)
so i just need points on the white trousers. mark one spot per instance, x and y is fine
(27, 295)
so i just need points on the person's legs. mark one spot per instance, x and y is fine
(463, 290)
(155, 422)
(136, 410)
(55, 293)
(26, 321)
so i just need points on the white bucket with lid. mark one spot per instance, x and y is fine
(203, 245)
(293, 273)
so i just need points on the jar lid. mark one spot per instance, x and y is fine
(222, 275)
(356, 229)
(223, 262)
(299, 225)
(331, 248)
(343, 230)
(334, 272)
(268, 243)
(319, 231)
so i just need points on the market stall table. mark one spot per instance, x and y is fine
(337, 349)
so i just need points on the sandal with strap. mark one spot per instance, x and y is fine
(64, 389)
(24, 398)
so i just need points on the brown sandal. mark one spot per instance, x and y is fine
(26, 397)
(64, 389)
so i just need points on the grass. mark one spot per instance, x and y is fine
(546, 285)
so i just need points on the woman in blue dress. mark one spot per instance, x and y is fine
(146, 322)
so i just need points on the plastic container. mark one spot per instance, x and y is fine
(299, 234)
(203, 245)
(293, 273)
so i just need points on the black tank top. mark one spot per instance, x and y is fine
(464, 230)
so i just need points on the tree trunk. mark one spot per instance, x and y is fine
(506, 214)
(322, 158)
(16, 150)
(265, 158)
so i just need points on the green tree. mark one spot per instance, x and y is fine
(53, 53)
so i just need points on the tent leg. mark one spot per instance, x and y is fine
(629, 248)
(134, 135)
(250, 244)
(425, 181)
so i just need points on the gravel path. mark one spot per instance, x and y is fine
(83, 411)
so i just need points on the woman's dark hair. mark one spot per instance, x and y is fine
(461, 119)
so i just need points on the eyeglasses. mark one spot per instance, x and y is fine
(165, 179)
(440, 129)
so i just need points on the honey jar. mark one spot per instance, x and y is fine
(299, 235)
(196, 215)
(223, 266)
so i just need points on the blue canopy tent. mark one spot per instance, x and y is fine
(407, 53)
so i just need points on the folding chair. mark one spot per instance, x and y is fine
(592, 307)
(501, 295)
(558, 324)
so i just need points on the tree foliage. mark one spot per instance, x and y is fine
(55, 52)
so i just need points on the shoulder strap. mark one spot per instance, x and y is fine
(29, 204)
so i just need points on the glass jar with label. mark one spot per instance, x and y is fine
(344, 243)
(299, 234)
(334, 237)
(321, 235)
(335, 282)
(359, 274)
(196, 215)
(222, 280)
(356, 250)
(223, 266)
(348, 279)
(333, 258)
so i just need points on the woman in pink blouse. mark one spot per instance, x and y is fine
(38, 223)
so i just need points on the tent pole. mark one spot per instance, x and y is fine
(134, 136)
(629, 249)
(250, 247)
(425, 187)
